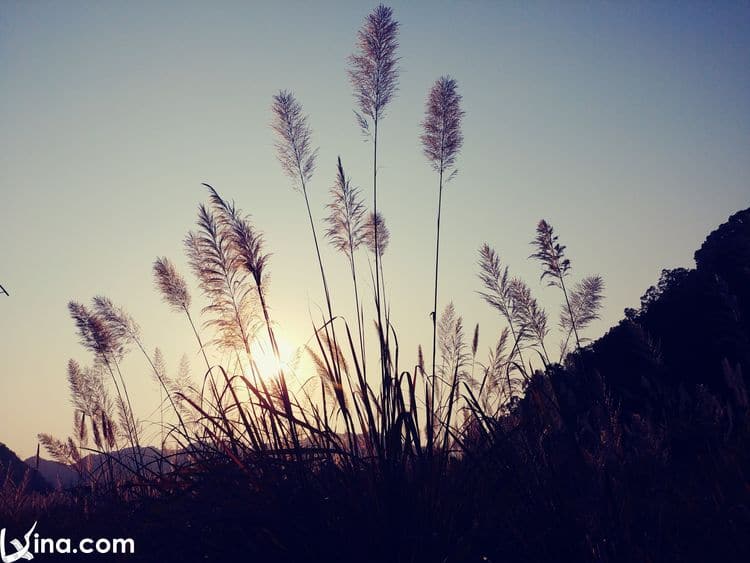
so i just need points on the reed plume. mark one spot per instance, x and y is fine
(215, 263)
(475, 341)
(376, 234)
(551, 254)
(496, 371)
(441, 142)
(91, 400)
(246, 239)
(171, 284)
(555, 266)
(585, 303)
(454, 359)
(453, 352)
(530, 316)
(125, 327)
(441, 128)
(294, 139)
(119, 322)
(182, 384)
(108, 343)
(346, 215)
(373, 68)
(174, 292)
(95, 334)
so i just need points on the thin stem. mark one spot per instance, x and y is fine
(198, 338)
(325, 283)
(434, 309)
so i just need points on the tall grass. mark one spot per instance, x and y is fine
(408, 425)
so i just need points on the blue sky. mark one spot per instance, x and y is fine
(627, 126)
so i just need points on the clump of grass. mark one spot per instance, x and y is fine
(408, 428)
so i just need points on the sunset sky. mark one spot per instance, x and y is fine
(627, 126)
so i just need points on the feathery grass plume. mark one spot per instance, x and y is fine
(160, 371)
(499, 292)
(57, 449)
(531, 317)
(294, 138)
(87, 389)
(496, 384)
(247, 244)
(125, 327)
(346, 215)
(171, 284)
(555, 266)
(107, 342)
(498, 357)
(120, 323)
(474, 348)
(94, 333)
(454, 359)
(90, 399)
(182, 385)
(496, 281)
(375, 227)
(324, 369)
(453, 354)
(551, 254)
(174, 292)
(441, 142)
(585, 303)
(79, 425)
(214, 261)
(247, 240)
(373, 68)
(80, 390)
(441, 128)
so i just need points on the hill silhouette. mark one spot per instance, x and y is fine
(14, 470)
(57, 474)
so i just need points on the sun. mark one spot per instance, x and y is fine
(268, 365)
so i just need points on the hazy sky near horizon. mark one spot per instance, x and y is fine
(626, 125)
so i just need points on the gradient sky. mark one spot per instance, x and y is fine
(626, 125)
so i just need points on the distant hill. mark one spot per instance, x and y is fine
(57, 474)
(61, 475)
(13, 468)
